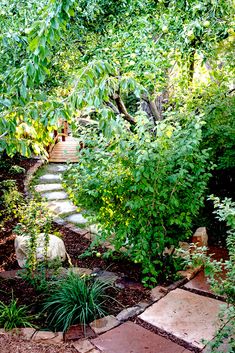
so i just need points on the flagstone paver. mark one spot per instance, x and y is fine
(76, 218)
(187, 316)
(55, 195)
(50, 178)
(52, 167)
(61, 207)
(132, 338)
(48, 187)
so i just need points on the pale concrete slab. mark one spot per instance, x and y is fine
(50, 178)
(48, 187)
(61, 207)
(76, 218)
(55, 195)
(57, 167)
(132, 338)
(188, 316)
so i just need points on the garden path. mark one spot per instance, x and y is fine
(178, 320)
(49, 185)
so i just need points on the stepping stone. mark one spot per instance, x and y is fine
(76, 218)
(187, 316)
(132, 338)
(60, 168)
(200, 284)
(50, 178)
(48, 187)
(56, 195)
(61, 207)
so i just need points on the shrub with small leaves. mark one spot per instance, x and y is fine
(143, 188)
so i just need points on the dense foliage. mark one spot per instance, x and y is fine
(139, 185)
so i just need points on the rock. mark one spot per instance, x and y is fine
(56, 248)
(94, 229)
(105, 276)
(157, 293)
(75, 332)
(48, 337)
(127, 313)
(27, 332)
(104, 324)
(189, 273)
(83, 346)
(80, 271)
(200, 237)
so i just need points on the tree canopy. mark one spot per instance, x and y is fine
(69, 58)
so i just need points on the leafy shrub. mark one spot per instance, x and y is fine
(10, 200)
(16, 169)
(75, 299)
(144, 188)
(12, 316)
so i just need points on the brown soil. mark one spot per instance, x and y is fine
(14, 344)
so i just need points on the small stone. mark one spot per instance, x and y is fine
(157, 293)
(94, 229)
(200, 237)
(48, 337)
(77, 219)
(50, 177)
(190, 273)
(27, 332)
(105, 276)
(127, 313)
(48, 187)
(104, 324)
(80, 271)
(83, 346)
(75, 332)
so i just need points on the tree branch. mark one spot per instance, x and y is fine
(122, 109)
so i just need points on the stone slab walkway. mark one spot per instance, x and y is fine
(50, 187)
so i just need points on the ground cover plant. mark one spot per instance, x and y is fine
(13, 316)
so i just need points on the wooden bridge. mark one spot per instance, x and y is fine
(65, 148)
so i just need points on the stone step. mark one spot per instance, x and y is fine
(50, 178)
(76, 218)
(187, 316)
(130, 337)
(48, 187)
(56, 168)
(55, 195)
(61, 207)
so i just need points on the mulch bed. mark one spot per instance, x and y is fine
(132, 293)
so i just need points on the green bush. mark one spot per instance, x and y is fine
(74, 300)
(144, 188)
(12, 316)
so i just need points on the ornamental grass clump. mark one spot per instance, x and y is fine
(74, 300)
(13, 316)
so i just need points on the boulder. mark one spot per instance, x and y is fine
(55, 248)
(200, 237)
